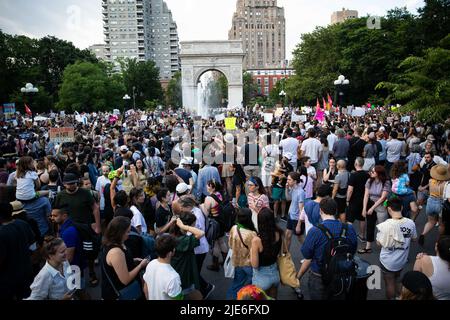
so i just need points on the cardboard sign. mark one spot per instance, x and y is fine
(406, 119)
(230, 123)
(9, 108)
(61, 135)
(298, 117)
(220, 117)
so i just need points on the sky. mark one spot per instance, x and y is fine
(80, 21)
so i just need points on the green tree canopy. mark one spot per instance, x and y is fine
(173, 95)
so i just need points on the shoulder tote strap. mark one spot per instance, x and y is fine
(107, 276)
(240, 236)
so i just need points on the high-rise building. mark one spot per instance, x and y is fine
(98, 50)
(141, 29)
(261, 26)
(341, 16)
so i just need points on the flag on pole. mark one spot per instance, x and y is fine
(325, 107)
(28, 110)
(320, 114)
(330, 102)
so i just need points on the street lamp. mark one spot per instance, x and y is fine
(340, 83)
(134, 98)
(283, 96)
(29, 88)
(126, 98)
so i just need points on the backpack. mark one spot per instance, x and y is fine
(212, 230)
(338, 267)
(227, 213)
(90, 241)
(148, 244)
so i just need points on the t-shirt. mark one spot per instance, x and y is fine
(370, 150)
(138, 219)
(290, 145)
(163, 282)
(200, 224)
(71, 238)
(393, 150)
(298, 196)
(341, 180)
(395, 259)
(377, 188)
(184, 261)
(312, 147)
(340, 148)
(312, 212)
(400, 185)
(79, 205)
(358, 181)
(162, 217)
(25, 186)
(307, 185)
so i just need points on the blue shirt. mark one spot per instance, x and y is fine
(312, 210)
(298, 196)
(206, 174)
(316, 241)
(69, 234)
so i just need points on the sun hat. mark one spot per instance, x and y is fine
(17, 207)
(440, 172)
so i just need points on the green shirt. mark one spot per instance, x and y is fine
(79, 205)
(184, 261)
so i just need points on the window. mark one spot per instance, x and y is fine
(266, 82)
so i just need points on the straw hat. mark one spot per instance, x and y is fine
(17, 207)
(440, 172)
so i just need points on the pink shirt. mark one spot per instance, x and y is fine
(258, 202)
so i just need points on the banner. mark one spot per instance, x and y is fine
(358, 112)
(230, 123)
(61, 135)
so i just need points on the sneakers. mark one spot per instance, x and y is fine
(299, 293)
(421, 240)
(209, 290)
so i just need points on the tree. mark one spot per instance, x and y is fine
(87, 87)
(144, 77)
(174, 95)
(250, 88)
(424, 84)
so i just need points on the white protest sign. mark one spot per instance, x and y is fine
(358, 112)
(268, 117)
(406, 119)
(220, 117)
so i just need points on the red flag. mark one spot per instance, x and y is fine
(330, 102)
(317, 105)
(28, 110)
(325, 107)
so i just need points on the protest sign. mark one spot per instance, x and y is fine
(220, 117)
(268, 117)
(61, 135)
(230, 123)
(9, 108)
(279, 112)
(358, 112)
(406, 119)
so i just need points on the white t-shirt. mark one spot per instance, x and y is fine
(290, 145)
(331, 138)
(100, 188)
(304, 217)
(138, 219)
(163, 282)
(25, 186)
(396, 259)
(393, 150)
(200, 224)
(312, 147)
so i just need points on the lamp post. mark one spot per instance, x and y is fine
(340, 83)
(126, 98)
(29, 88)
(134, 98)
(283, 95)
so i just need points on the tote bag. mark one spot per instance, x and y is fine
(228, 267)
(286, 267)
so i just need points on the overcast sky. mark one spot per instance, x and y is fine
(80, 21)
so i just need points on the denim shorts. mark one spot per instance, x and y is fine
(266, 277)
(434, 206)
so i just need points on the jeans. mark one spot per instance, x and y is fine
(434, 206)
(203, 284)
(39, 210)
(266, 277)
(242, 277)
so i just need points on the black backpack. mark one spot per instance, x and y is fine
(338, 267)
(227, 213)
(90, 241)
(212, 230)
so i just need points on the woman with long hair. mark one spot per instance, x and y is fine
(330, 172)
(241, 237)
(323, 163)
(211, 209)
(238, 186)
(51, 282)
(141, 174)
(265, 248)
(257, 198)
(297, 194)
(370, 151)
(377, 190)
(401, 188)
(119, 269)
(137, 198)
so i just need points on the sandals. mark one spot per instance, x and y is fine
(364, 251)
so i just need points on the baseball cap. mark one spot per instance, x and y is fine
(288, 156)
(183, 187)
(70, 178)
(430, 137)
(123, 148)
(186, 161)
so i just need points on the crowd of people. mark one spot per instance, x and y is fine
(132, 205)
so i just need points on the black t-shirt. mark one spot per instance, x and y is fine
(356, 148)
(358, 181)
(426, 173)
(163, 217)
(237, 181)
(79, 205)
(15, 258)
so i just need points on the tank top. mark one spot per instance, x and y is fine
(269, 257)
(108, 292)
(440, 280)
(215, 210)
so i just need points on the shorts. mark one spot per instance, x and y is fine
(266, 277)
(406, 200)
(354, 211)
(341, 204)
(291, 225)
(389, 272)
(422, 195)
(434, 207)
(278, 194)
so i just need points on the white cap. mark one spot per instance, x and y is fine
(288, 156)
(123, 148)
(183, 187)
(185, 161)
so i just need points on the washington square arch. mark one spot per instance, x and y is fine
(198, 57)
